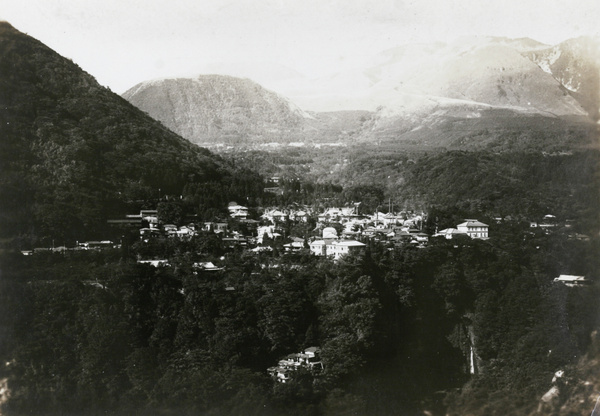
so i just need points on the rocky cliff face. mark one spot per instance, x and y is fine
(576, 65)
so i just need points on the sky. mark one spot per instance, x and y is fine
(124, 42)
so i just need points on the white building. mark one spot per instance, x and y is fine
(571, 280)
(237, 211)
(317, 247)
(474, 229)
(341, 248)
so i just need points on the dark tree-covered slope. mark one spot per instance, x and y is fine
(73, 153)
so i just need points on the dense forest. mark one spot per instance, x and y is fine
(95, 332)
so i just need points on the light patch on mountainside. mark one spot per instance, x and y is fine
(547, 61)
(575, 64)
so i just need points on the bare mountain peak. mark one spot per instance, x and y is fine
(211, 107)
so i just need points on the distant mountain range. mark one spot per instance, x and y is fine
(484, 82)
(512, 73)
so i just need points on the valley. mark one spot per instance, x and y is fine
(393, 240)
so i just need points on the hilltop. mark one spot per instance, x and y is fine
(209, 106)
(72, 153)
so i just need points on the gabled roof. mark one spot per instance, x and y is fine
(452, 231)
(298, 244)
(570, 278)
(349, 243)
(472, 223)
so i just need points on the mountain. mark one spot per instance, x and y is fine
(481, 92)
(472, 92)
(576, 65)
(217, 108)
(73, 154)
(489, 71)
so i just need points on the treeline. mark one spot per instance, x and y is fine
(94, 332)
(525, 185)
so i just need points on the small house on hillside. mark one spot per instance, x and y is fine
(309, 359)
(294, 246)
(237, 211)
(450, 233)
(571, 280)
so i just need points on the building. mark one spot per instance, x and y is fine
(317, 247)
(337, 249)
(474, 229)
(450, 233)
(571, 280)
(206, 266)
(237, 211)
(294, 246)
(155, 263)
(309, 358)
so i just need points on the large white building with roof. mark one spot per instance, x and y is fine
(335, 248)
(474, 229)
(340, 248)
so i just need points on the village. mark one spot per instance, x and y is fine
(333, 232)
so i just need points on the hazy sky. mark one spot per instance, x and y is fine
(123, 42)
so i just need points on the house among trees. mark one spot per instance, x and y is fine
(340, 248)
(450, 233)
(335, 248)
(571, 280)
(309, 359)
(206, 266)
(474, 229)
(155, 263)
(294, 246)
(237, 211)
(95, 245)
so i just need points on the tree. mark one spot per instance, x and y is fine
(349, 307)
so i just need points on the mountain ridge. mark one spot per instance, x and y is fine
(201, 107)
(73, 154)
(407, 88)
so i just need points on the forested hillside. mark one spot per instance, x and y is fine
(521, 184)
(396, 327)
(73, 154)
